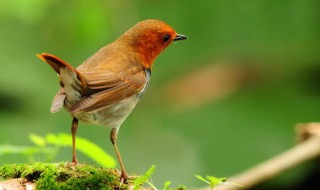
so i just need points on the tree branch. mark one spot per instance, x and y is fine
(307, 149)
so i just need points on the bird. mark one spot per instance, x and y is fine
(105, 88)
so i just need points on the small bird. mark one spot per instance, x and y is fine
(106, 87)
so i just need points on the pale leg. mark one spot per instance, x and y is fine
(74, 128)
(113, 138)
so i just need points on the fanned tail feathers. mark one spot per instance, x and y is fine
(72, 82)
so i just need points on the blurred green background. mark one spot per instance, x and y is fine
(222, 101)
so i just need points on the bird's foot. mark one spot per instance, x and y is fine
(72, 164)
(124, 178)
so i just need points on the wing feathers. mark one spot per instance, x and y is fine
(95, 89)
(100, 100)
(125, 87)
(102, 80)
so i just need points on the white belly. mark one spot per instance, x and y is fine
(111, 116)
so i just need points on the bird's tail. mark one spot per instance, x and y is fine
(56, 63)
(72, 83)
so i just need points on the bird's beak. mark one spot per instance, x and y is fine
(180, 37)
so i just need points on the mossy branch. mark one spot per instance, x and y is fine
(58, 176)
(67, 176)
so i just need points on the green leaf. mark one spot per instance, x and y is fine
(140, 180)
(144, 178)
(53, 139)
(137, 187)
(150, 171)
(37, 140)
(214, 181)
(85, 146)
(202, 179)
(12, 149)
(166, 185)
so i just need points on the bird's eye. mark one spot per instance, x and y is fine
(166, 38)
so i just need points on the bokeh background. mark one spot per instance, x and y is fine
(220, 102)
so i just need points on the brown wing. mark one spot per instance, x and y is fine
(102, 79)
(107, 88)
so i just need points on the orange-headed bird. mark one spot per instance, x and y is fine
(106, 87)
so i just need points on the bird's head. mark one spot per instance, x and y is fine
(149, 38)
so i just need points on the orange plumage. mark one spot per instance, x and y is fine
(107, 86)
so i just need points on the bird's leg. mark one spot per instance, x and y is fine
(113, 138)
(74, 128)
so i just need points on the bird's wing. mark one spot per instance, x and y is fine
(106, 87)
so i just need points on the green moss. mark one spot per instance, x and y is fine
(11, 171)
(63, 176)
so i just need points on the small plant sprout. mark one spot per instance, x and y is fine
(166, 185)
(146, 178)
(214, 181)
